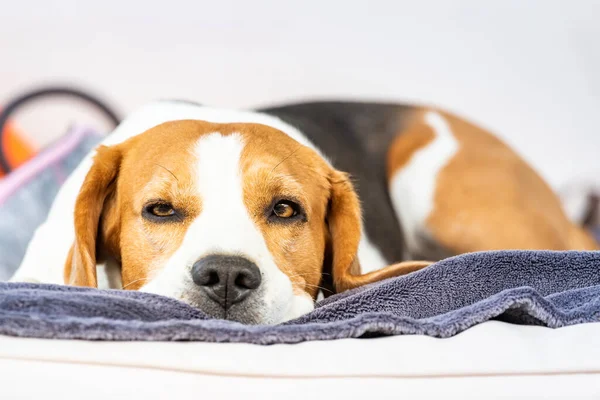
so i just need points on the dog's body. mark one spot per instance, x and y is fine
(431, 186)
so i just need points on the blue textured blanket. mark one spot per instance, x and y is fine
(543, 288)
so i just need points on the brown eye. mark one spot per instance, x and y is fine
(285, 209)
(160, 212)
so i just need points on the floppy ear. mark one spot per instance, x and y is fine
(80, 268)
(345, 226)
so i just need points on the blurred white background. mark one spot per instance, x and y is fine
(529, 70)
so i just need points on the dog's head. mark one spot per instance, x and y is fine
(239, 220)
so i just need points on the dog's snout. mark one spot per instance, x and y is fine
(226, 279)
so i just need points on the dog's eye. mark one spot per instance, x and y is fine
(285, 209)
(162, 210)
(159, 211)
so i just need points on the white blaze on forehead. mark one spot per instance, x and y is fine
(224, 226)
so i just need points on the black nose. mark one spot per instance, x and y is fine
(226, 279)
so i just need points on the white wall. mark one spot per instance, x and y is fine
(526, 69)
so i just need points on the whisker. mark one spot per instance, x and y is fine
(317, 286)
(288, 156)
(168, 170)
(137, 280)
(308, 273)
(149, 277)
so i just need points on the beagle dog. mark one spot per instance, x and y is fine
(246, 215)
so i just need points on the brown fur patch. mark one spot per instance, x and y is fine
(156, 165)
(414, 137)
(276, 167)
(80, 267)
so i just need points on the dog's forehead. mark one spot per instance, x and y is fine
(168, 151)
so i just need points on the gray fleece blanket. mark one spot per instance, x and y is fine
(553, 289)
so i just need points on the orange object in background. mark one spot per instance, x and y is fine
(17, 149)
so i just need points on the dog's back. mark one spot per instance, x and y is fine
(433, 185)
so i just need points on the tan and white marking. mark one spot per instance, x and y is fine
(458, 189)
